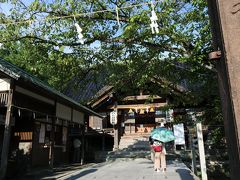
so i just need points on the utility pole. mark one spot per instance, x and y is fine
(224, 16)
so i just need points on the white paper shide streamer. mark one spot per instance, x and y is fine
(153, 18)
(80, 35)
(118, 17)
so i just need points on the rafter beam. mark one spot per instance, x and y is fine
(138, 106)
(141, 97)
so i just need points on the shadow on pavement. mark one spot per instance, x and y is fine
(83, 173)
(47, 173)
(185, 174)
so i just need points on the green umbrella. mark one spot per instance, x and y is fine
(162, 134)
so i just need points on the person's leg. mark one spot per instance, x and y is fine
(163, 161)
(152, 156)
(157, 161)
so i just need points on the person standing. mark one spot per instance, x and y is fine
(76, 153)
(163, 153)
(157, 155)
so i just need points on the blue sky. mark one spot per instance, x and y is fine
(5, 7)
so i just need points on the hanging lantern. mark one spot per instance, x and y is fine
(130, 111)
(141, 111)
(151, 109)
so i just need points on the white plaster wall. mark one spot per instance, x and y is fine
(78, 117)
(4, 84)
(63, 111)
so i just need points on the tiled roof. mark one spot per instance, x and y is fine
(18, 73)
(84, 90)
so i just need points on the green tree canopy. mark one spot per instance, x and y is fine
(40, 36)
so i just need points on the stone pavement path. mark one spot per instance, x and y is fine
(130, 169)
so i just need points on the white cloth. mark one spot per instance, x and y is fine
(156, 143)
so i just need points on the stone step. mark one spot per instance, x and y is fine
(137, 142)
(142, 143)
(128, 154)
(134, 141)
(133, 148)
(135, 136)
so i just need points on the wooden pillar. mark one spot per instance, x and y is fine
(86, 143)
(52, 143)
(52, 139)
(114, 122)
(103, 142)
(116, 145)
(224, 16)
(83, 144)
(82, 151)
(131, 131)
(6, 137)
(193, 152)
(201, 151)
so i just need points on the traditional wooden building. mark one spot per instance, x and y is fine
(37, 123)
(136, 114)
